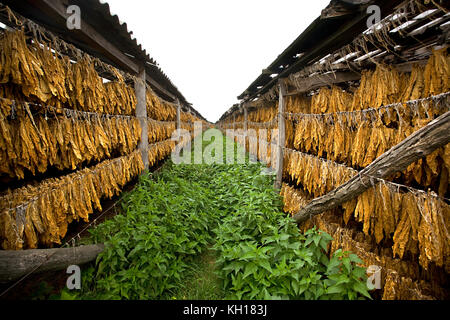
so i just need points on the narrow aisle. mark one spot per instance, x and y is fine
(212, 231)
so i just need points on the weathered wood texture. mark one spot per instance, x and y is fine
(141, 114)
(178, 114)
(418, 145)
(245, 127)
(281, 134)
(305, 84)
(321, 80)
(16, 264)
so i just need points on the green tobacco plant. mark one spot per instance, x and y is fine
(171, 219)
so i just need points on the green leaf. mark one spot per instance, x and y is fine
(354, 258)
(295, 286)
(347, 264)
(362, 289)
(250, 268)
(266, 265)
(284, 237)
(359, 273)
(67, 296)
(335, 289)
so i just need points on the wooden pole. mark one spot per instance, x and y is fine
(281, 134)
(178, 114)
(245, 127)
(141, 114)
(418, 145)
(16, 264)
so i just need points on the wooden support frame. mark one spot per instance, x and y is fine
(281, 133)
(15, 264)
(245, 127)
(418, 145)
(57, 9)
(320, 80)
(141, 114)
(178, 114)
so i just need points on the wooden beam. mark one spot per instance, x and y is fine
(281, 133)
(141, 114)
(16, 264)
(245, 127)
(58, 8)
(418, 145)
(336, 40)
(157, 87)
(320, 80)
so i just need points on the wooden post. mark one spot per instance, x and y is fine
(178, 114)
(418, 145)
(245, 128)
(234, 129)
(281, 134)
(141, 114)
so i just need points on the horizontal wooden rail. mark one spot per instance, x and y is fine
(418, 145)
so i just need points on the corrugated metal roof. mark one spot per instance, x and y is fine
(98, 15)
(328, 32)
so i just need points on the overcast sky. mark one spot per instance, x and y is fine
(213, 50)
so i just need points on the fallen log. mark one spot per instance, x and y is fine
(16, 264)
(418, 145)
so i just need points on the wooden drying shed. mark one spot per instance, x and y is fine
(114, 128)
(363, 145)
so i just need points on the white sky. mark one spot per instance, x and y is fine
(213, 50)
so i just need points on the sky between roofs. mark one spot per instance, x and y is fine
(213, 50)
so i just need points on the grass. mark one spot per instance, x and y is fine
(202, 281)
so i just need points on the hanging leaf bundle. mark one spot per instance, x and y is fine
(331, 100)
(316, 176)
(298, 104)
(293, 199)
(160, 150)
(159, 109)
(437, 73)
(383, 86)
(397, 287)
(44, 76)
(65, 141)
(358, 142)
(262, 114)
(160, 130)
(414, 222)
(39, 214)
(410, 284)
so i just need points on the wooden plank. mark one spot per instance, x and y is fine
(328, 79)
(59, 9)
(16, 264)
(281, 133)
(418, 145)
(245, 127)
(321, 80)
(178, 114)
(141, 114)
(157, 87)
